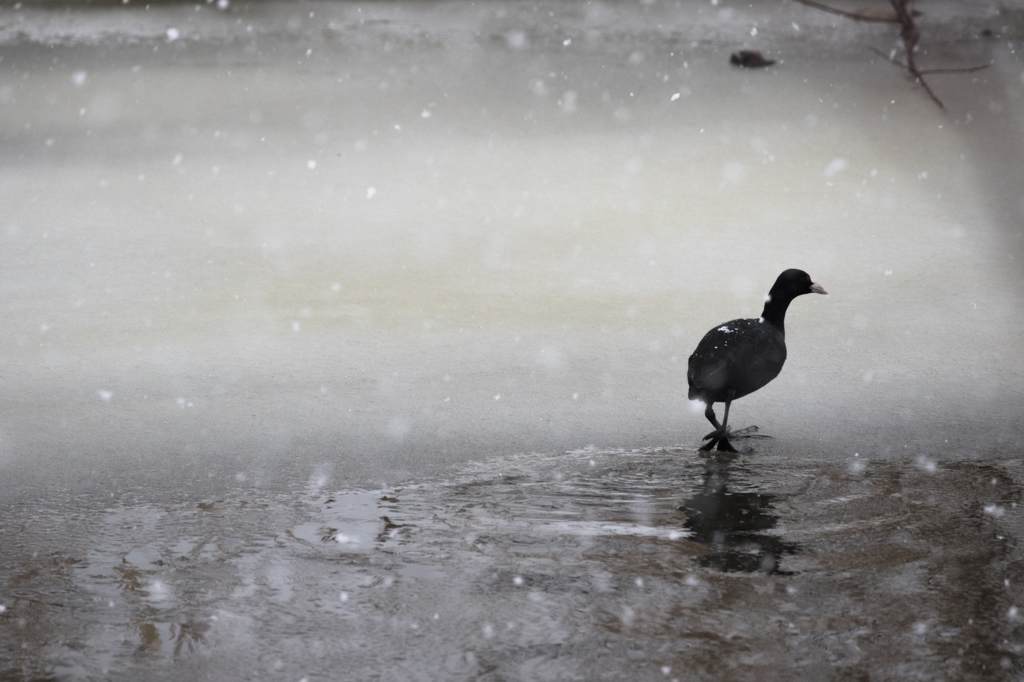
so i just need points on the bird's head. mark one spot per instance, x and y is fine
(793, 283)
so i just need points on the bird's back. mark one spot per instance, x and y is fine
(734, 359)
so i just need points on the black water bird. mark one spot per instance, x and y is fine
(737, 358)
(749, 59)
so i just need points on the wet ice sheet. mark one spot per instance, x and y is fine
(593, 564)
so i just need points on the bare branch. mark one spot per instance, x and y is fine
(849, 15)
(915, 73)
(891, 60)
(903, 14)
(928, 89)
(965, 69)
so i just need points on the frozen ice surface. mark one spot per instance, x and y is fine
(548, 202)
(500, 227)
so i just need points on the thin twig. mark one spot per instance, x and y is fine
(910, 35)
(849, 15)
(916, 74)
(913, 72)
(892, 60)
(965, 69)
(928, 89)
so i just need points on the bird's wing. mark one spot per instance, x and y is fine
(740, 356)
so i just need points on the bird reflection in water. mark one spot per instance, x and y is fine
(733, 524)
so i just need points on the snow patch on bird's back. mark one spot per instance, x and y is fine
(724, 329)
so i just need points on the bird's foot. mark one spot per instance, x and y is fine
(720, 439)
(748, 432)
(725, 446)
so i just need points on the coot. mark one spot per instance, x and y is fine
(739, 357)
(749, 59)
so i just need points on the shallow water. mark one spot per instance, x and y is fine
(647, 564)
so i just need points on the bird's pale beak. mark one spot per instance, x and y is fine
(818, 289)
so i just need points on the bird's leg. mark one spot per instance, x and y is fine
(710, 414)
(723, 441)
(719, 435)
